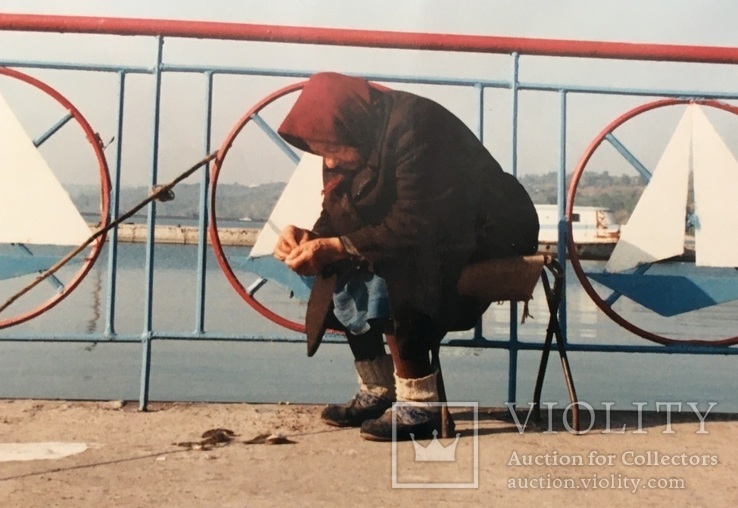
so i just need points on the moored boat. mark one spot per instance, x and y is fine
(595, 230)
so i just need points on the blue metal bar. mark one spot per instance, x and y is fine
(291, 73)
(22, 64)
(52, 130)
(52, 279)
(646, 174)
(202, 244)
(561, 202)
(640, 270)
(686, 349)
(512, 381)
(115, 210)
(551, 87)
(480, 111)
(151, 224)
(433, 80)
(628, 155)
(635, 92)
(276, 138)
(615, 348)
(479, 327)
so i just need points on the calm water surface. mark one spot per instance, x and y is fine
(272, 371)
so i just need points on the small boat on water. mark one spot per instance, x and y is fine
(595, 230)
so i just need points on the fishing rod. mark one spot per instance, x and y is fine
(163, 192)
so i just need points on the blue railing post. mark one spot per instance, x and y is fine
(202, 243)
(115, 209)
(151, 224)
(478, 327)
(561, 205)
(512, 381)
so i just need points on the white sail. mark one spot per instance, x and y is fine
(34, 207)
(299, 204)
(655, 230)
(715, 196)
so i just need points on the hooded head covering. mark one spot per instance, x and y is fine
(335, 109)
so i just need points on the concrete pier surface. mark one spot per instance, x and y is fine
(120, 456)
(186, 235)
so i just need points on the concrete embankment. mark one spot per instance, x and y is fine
(246, 237)
(187, 235)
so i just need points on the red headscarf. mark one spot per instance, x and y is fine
(336, 109)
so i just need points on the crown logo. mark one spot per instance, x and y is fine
(435, 451)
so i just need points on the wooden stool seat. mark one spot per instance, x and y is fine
(503, 279)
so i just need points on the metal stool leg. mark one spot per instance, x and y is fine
(447, 422)
(553, 298)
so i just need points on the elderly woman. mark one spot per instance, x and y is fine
(410, 197)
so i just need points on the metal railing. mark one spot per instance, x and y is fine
(163, 30)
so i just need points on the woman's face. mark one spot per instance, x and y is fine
(338, 156)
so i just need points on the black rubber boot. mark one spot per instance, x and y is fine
(365, 406)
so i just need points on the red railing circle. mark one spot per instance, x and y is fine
(104, 176)
(572, 250)
(213, 228)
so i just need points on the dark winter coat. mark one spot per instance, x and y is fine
(430, 200)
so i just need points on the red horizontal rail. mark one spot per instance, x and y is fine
(367, 38)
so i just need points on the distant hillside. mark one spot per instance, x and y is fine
(234, 201)
(618, 193)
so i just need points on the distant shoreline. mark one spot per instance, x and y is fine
(246, 237)
(184, 235)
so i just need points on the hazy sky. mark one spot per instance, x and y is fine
(669, 21)
(664, 21)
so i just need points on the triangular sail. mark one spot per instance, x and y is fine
(299, 204)
(655, 230)
(715, 196)
(34, 207)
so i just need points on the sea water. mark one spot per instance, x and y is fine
(271, 370)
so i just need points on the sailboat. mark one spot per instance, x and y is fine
(656, 230)
(34, 207)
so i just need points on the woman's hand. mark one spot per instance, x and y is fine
(289, 239)
(310, 257)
